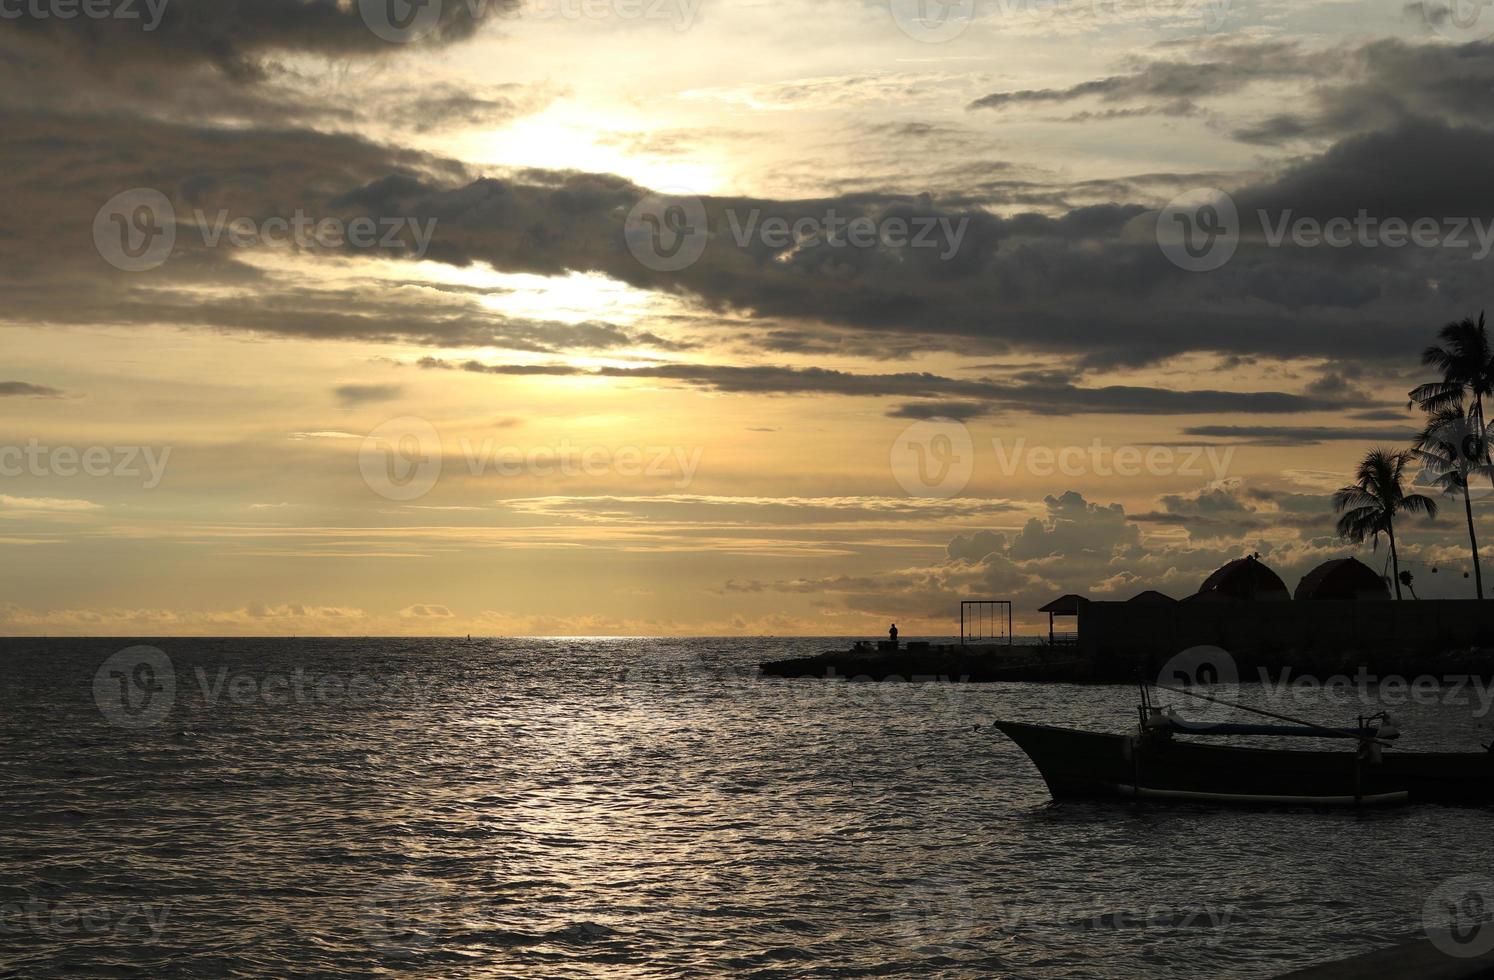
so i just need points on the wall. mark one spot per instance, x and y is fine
(1142, 631)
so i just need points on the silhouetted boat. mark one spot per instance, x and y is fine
(1151, 764)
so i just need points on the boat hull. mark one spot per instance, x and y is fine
(1089, 765)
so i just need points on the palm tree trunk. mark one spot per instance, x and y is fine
(1483, 445)
(1478, 575)
(1395, 562)
(1483, 433)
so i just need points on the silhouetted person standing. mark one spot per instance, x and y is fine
(892, 635)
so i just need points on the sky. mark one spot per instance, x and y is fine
(647, 317)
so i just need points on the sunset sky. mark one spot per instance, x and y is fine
(576, 382)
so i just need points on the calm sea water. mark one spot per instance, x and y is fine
(619, 808)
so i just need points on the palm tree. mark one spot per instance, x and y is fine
(1466, 361)
(1369, 505)
(1451, 451)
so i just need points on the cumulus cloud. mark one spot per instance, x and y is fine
(1016, 282)
(1097, 549)
(424, 610)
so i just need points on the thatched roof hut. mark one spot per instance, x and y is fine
(1342, 578)
(1244, 578)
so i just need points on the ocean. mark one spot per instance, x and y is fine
(641, 808)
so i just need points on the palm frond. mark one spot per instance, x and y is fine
(1418, 503)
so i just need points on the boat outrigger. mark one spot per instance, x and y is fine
(1151, 764)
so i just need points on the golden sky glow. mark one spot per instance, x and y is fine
(722, 448)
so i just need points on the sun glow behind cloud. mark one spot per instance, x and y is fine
(575, 298)
(571, 137)
(570, 299)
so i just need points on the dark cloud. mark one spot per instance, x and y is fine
(24, 389)
(1087, 285)
(1347, 89)
(959, 411)
(1383, 83)
(1300, 435)
(1417, 168)
(443, 107)
(1024, 394)
(231, 35)
(1176, 83)
(358, 394)
(1379, 415)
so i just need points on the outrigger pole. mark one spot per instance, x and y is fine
(1328, 732)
